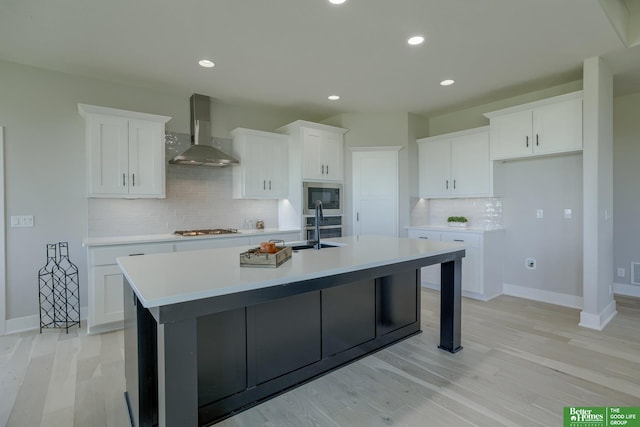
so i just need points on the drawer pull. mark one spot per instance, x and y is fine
(458, 240)
(423, 237)
(136, 254)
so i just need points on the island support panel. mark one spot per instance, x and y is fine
(216, 364)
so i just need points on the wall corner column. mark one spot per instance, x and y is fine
(599, 307)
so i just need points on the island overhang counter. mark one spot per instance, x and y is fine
(206, 338)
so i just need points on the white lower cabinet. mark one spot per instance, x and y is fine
(105, 290)
(481, 267)
(199, 244)
(107, 283)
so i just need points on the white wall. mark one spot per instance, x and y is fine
(626, 185)
(45, 161)
(551, 184)
(527, 185)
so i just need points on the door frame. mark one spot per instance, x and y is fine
(382, 148)
(3, 264)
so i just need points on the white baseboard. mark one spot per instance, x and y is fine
(473, 295)
(556, 298)
(30, 323)
(600, 320)
(627, 290)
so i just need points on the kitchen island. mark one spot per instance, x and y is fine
(206, 338)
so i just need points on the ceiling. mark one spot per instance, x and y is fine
(292, 54)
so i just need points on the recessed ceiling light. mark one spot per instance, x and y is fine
(206, 63)
(333, 97)
(337, 1)
(447, 82)
(415, 40)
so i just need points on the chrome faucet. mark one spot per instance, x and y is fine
(316, 232)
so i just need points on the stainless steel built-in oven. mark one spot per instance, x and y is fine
(330, 226)
(329, 194)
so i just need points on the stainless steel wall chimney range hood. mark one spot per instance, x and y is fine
(201, 152)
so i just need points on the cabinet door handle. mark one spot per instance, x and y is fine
(322, 169)
(527, 140)
(423, 237)
(269, 184)
(264, 184)
(454, 184)
(327, 169)
(357, 216)
(537, 142)
(446, 184)
(133, 177)
(458, 240)
(124, 184)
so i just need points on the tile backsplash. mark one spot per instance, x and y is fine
(481, 212)
(197, 197)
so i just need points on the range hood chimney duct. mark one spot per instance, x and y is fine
(201, 152)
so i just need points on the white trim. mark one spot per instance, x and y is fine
(312, 125)
(450, 135)
(85, 109)
(535, 104)
(381, 148)
(627, 290)
(556, 298)
(598, 321)
(467, 294)
(3, 265)
(32, 323)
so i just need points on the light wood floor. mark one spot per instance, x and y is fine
(522, 362)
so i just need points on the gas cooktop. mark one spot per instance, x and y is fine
(206, 231)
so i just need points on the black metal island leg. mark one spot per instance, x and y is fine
(451, 305)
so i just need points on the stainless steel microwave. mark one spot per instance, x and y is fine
(330, 194)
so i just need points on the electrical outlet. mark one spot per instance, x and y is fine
(621, 272)
(530, 263)
(539, 213)
(567, 214)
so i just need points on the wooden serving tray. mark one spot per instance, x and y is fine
(255, 258)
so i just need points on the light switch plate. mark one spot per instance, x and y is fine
(567, 214)
(539, 213)
(22, 221)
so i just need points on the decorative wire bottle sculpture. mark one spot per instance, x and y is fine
(59, 289)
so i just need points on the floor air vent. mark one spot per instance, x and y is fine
(635, 273)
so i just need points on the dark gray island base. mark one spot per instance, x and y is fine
(195, 363)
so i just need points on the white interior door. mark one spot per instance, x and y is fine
(3, 271)
(375, 192)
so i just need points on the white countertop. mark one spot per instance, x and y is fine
(162, 279)
(158, 238)
(453, 229)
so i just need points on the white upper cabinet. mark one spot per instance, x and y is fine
(263, 172)
(544, 127)
(125, 153)
(320, 149)
(455, 165)
(322, 155)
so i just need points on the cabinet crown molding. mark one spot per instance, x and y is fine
(453, 134)
(86, 109)
(535, 104)
(305, 124)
